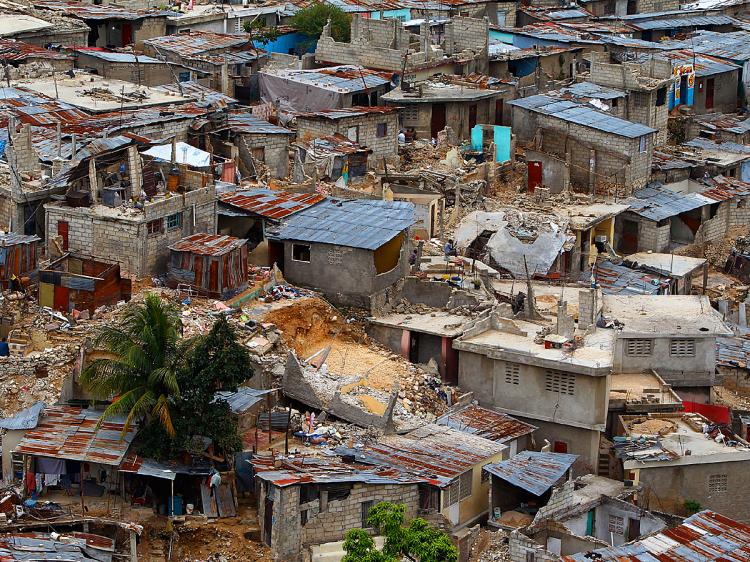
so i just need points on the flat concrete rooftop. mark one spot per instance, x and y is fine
(99, 95)
(583, 217)
(667, 315)
(667, 264)
(642, 388)
(439, 323)
(518, 338)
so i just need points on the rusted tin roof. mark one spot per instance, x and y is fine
(436, 454)
(196, 42)
(13, 50)
(99, 12)
(287, 471)
(270, 204)
(703, 536)
(533, 471)
(486, 423)
(355, 111)
(65, 432)
(208, 244)
(724, 189)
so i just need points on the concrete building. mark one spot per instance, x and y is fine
(676, 338)
(95, 221)
(142, 70)
(602, 151)
(228, 60)
(646, 84)
(430, 107)
(41, 27)
(353, 251)
(375, 128)
(385, 44)
(254, 143)
(530, 370)
(600, 8)
(660, 219)
(678, 458)
(336, 87)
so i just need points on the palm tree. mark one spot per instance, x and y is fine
(147, 350)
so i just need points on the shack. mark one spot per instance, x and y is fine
(213, 265)
(334, 158)
(72, 282)
(18, 255)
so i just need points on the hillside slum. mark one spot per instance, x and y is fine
(263, 270)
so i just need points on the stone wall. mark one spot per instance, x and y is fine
(275, 151)
(523, 549)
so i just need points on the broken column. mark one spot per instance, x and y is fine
(565, 324)
(587, 308)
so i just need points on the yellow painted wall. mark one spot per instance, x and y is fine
(388, 255)
(604, 228)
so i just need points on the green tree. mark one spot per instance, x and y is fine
(259, 32)
(416, 541)
(146, 351)
(217, 361)
(311, 21)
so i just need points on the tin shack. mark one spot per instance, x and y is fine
(215, 266)
(18, 255)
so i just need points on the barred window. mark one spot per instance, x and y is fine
(616, 525)
(174, 221)
(639, 347)
(682, 348)
(366, 507)
(512, 371)
(451, 494)
(560, 382)
(717, 483)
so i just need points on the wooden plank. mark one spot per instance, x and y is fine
(209, 504)
(225, 501)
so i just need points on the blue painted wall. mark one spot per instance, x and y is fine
(290, 41)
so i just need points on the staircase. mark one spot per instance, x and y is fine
(605, 446)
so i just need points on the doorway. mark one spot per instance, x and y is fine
(535, 175)
(710, 83)
(499, 108)
(276, 254)
(629, 239)
(437, 121)
(472, 116)
(267, 522)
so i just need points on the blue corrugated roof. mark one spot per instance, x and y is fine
(535, 472)
(584, 115)
(656, 202)
(615, 279)
(25, 419)
(363, 223)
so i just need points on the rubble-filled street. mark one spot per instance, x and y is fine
(374, 282)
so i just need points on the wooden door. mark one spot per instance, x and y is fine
(499, 107)
(267, 522)
(710, 84)
(629, 240)
(62, 298)
(535, 175)
(62, 231)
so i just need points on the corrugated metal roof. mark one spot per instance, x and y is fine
(362, 223)
(355, 111)
(614, 279)
(695, 21)
(208, 244)
(642, 449)
(734, 46)
(656, 202)
(66, 547)
(270, 204)
(436, 454)
(109, 56)
(326, 470)
(66, 432)
(99, 12)
(583, 115)
(720, 146)
(167, 470)
(705, 65)
(591, 90)
(13, 239)
(701, 537)
(730, 352)
(573, 13)
(196, 42)
(342, 79)
(25, 419)
(723, 189)
(533, 471)
(242, 400)
(14, 50)
(485, 423)
(249, 124)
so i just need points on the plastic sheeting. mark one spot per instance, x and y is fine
(184, 154)
(295, 96)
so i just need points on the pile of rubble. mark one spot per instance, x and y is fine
(490, 547)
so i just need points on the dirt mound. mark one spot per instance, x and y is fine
(653, 427)
(310, 324)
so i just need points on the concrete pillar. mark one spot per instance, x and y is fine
(742, 321)
(724, 308)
